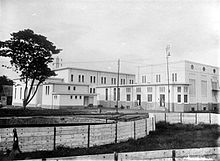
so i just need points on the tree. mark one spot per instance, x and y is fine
(30, 54)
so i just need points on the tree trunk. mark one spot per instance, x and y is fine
(24, 104)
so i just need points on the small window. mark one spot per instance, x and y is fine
(149, 97)
(75, 97)
(179, 98)
(192, 109)
(185, 98)
(192, 66)
(162, 89)
(178, 89)
(128, 90)
(138, 89)
(128, 97)
(94, 79)
(149, 89)
(80, 97)
(68, 87)
(71, 77)
(93, 90)
(90, 90)
(203, 68)
(214, 70)
(90, 79)
(204, 108)
(55, 97)
(71, 97)
(185, 89)
(74, 88)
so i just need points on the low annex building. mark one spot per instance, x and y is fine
(193, 87)
(71, 87)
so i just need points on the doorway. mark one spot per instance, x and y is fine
(139, 99)
(162, 100)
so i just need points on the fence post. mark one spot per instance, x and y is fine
(196, 118)
(116, 133)
(146, 126)
(181, 117)
(173, 155)
(165, 117)
(54, 138)
(88, 136)
(134, 130)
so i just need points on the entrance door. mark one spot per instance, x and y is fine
(162, 100)
(86, 100)
(139, 99)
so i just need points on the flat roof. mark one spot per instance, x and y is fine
(74, 68)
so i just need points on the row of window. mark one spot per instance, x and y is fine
(91, 90)
(103, 80)
(203, 69)
(192, 88)
(71, 97)
(150, 96)
(161, 89)
(158, 78)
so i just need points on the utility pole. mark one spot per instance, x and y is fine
(118, 93)
(168, 79)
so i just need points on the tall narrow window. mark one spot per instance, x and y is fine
(68, 88)
(20, 92)
(179, 98)
(15, 92)
(104, 80)
(79, 78)
(93, 90)
(90, 79)
(175, 77)
(149, 98)
(83, 78)
(185, 98)
(118, 95)
(101, 80)
(192, 87)
(106, 94)
(90, 90)
(204, 88)
(179, 89)
(128, 97)
(114, 94)
(93, 79)
(71, 77)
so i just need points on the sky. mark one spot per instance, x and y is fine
(96, 33)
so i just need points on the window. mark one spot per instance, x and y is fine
(79, 78)
(90, 79)
(185, 89)
(104, 80)
(203, 68)
(71, 77)
(162, 89)
(90, 90)
(204, 88)
(138, 89)
(114, 94)
(179, 98)
(47, 90)
(149, 97)
(83, 78)
(122, 81)
(214, 70)
(15, 92)
(93, 79)
(149, 89)
(93, 90)
(68, 88)
(175, 77)
(80, 97)
(75, 97)
(112, 80)
(192, 66)
(178, 89)
(158, 78)
(144, 80)
(128, 89)
(101, 80)
(185, 98)
(71, 97)
(55, 97)
(128, 97)
(192, 87)
(106, 94)
(74, 88)
(204, 108)
(118, 94)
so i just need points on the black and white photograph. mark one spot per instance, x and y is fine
(110, 80)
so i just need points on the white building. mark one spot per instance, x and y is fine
(71, 87)
(193, 87)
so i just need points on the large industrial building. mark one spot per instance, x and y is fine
(193, 87)
(71, 87)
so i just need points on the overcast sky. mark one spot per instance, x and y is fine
(136, 31)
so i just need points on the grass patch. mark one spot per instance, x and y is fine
(167, 136)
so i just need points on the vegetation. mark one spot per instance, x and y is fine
(30, 54)
(167, 136)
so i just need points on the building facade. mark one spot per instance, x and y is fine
(70, 88)
(192, 87)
